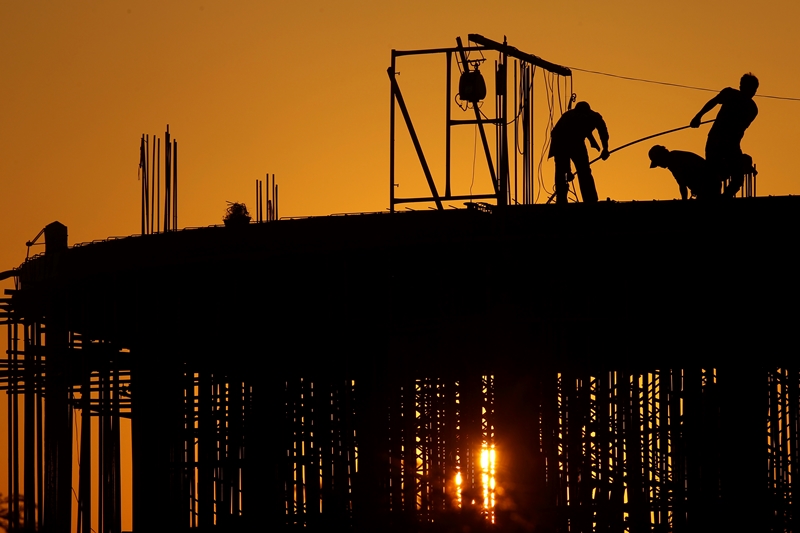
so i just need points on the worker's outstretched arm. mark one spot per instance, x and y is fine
(695, 123)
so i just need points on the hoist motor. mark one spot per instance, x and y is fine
(472, 87)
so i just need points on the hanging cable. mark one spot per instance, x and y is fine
(679, 85)
(549, 98)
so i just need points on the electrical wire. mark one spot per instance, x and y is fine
(679, 85)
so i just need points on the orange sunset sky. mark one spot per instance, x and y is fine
(300, 89)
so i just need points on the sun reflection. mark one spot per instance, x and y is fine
(458, 488)
(488, 461)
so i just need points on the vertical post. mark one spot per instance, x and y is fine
(235, 443)
(153, 187)
(222, 505)
(167, 180)
(516, 136)
(409, 448)
(13, 449)
(29, 481)
(190, 404)
(449, 432)
(531, 180)
(504, 164)
(175, 185)
(143, 170)
(206, 451)
(269, 206)
(158, 187)
(37, 339)
(526, 157)
(391, 142)
(145, 186)
(447, 133)
(102, 455)
(85, 476)
(58, 419)
(9, 420)
(116, 487)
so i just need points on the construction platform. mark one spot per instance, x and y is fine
(607, 367)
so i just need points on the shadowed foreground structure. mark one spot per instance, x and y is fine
(633, 366)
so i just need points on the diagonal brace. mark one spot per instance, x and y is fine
(414, 138)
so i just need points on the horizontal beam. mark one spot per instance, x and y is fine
(426, 51)
(522, 56)
(455, 122)
(444, 198)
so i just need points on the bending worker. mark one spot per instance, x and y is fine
(737, 111)
(568, 142)
(691, 171)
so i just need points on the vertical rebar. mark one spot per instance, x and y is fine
(158, 187)
(167, 180)
(175, 185)
(142, 178)
(269, 205)
(154, 186)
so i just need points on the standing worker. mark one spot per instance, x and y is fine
(568, 143)
(691, 171)
(723, 151)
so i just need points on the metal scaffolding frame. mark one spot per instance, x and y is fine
(619, 449)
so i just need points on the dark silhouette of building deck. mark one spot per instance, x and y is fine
(633, 365)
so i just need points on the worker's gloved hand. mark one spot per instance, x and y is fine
(604, 154)
(695, 123)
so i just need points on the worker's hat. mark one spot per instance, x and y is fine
(656, 152)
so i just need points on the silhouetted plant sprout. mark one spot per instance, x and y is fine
(236, 214)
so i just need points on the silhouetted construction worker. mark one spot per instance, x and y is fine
(737, 111)
(568, 142)
(691, 171)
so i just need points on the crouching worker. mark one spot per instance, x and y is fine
(691, 171)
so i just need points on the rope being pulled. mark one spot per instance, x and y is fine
(618, 148)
